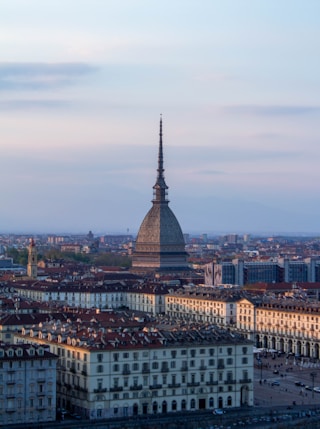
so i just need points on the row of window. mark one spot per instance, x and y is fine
(173, 353)
(173, 365)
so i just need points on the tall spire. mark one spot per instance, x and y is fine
(160, 188)
(160, 155)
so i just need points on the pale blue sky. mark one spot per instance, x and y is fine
(82, 86)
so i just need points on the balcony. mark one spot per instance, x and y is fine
(41, 407)
(165, 369)
(10, 410)
(174, 385)
(245, 380)
(8, 382)
(136, 387)
(145, 370)
(10, 396)
(221, 366)
(126, 371)
(193, 384)
(155, 386)
(184, 368)
(211, 383)
(230, 381)
(115, 389)
(100, 390)
(84, 372)
(202, 368)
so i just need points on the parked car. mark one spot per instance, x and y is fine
(218, 411)
(275, 383)
(299, 383)
(75, 416)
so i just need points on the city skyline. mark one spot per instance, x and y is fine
(82, 88)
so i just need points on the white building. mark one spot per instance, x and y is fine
(103, 374)
(92, 294)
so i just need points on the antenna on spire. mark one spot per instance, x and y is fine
(160, 156)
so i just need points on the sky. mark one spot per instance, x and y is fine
(82, 87)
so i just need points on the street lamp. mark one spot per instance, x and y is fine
(260, 363)
(313, 375)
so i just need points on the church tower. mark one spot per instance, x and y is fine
(160, 243)
(32, 260)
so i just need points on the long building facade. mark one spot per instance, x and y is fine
(137, 372)
(240, 272)
(288, 324)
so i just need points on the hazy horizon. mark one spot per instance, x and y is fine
(82, 87)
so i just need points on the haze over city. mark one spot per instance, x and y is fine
(82, 87)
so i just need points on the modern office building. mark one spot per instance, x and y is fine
(240, 272)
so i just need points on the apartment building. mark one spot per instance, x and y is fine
(203, 305)
(147, 297)
(289, 325)
(104, 373)
(27, 384)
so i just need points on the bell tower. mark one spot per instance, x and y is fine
(32, 271)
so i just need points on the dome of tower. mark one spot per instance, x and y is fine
(160, 227)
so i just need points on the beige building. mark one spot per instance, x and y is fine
(289, 325)
(246, 318)
(203, 305)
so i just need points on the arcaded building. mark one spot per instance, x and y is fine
(160, 244)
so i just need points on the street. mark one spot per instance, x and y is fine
(266, 391)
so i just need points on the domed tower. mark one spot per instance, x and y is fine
(160, 243)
